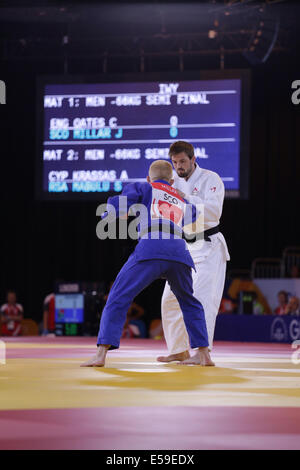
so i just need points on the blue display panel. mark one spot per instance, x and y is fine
(69, 308)
(98, 137)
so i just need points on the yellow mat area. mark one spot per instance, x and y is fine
(141, 381)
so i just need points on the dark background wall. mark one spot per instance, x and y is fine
(43, 241)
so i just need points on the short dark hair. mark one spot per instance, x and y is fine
(11, 291)
(182, 146)
(283, 292)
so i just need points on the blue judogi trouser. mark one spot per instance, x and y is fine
(135, 276)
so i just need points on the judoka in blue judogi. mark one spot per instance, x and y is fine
(160, 253)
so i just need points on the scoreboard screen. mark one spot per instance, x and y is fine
(69, 308)
(94, 138)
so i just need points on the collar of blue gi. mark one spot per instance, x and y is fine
(161, 181)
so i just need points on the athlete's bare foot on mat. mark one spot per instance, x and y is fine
(99, 359)
(174, 357)
(200, 358)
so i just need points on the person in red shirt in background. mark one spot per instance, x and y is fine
(227, 306)
(49, 314)
(293, 306)
(134, 326)
(283, 301)
(11, 316)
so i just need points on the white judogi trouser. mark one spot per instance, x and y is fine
(208, 284)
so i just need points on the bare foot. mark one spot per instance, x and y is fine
(200, 358)
(174, 357)
(99, 359)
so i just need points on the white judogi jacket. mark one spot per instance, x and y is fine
(204, 187)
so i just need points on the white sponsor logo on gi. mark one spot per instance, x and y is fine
(296, 354)
(2, 92)
(279, 330)
(2, 353)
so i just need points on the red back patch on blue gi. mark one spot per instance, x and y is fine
(166, 203)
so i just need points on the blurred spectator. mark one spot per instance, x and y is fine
(293, 306)
(49, 314)
(282, 297)
(156, 329)
(134, 326)
(295, 272)
(227, 306)
(258, 308)
(135, 314)
(11, 315)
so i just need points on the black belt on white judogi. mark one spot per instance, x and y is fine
(188, 238)
(203, 235)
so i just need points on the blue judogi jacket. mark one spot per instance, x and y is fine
(165, 212)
